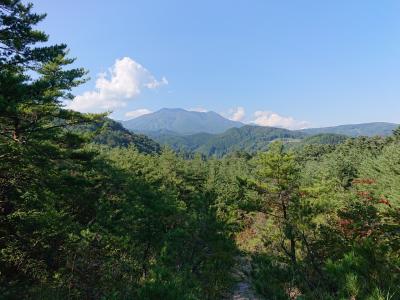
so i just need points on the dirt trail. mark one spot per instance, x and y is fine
(243, 289)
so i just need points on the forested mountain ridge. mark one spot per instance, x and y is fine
(246, 138)
(106, 131)
(251, 138)
(79, 220)
(354, 130)
(180, 121)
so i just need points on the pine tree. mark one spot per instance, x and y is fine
(39, 156)
(278, 176)
(33, 79)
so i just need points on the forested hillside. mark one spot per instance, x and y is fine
(90, 211)
(105, 131)
(247, 138)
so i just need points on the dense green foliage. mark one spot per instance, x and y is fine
(82, 222)
(91, 211)
(344, 225)
(108, 132)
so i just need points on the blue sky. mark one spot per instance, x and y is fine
(285, 63)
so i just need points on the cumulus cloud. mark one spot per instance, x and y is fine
(137, 113)
(236, 114)
(122, 83)
(268, 118)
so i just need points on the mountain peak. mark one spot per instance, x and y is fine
(182, 110)
(170, 109)
(181, 121)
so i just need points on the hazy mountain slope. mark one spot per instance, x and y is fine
(365, 129)
(181, 121)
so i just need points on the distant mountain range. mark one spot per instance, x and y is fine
(180, 121)
(211, 134)
(172, 121)
(354, 130)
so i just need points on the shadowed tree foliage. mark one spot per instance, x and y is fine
(81, 222)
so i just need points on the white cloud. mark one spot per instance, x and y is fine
(268, 118)
(236, 114)
(124, 82)
(198, 109)
(137, 113)
(155, 84)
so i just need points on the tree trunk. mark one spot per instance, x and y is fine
(289, 234)
(16, 132)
